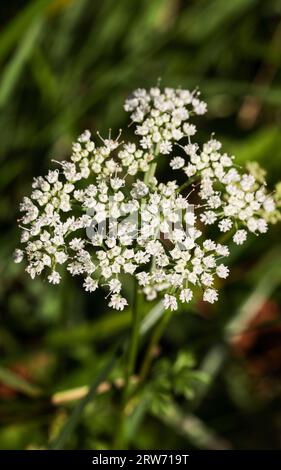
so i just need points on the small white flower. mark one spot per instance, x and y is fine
(225, 225)
(207, 279)
(139, 190)
(54, 277)
(116, 183)
(208, 217)
(222, 271)
(186, 295)
(240, 237)
(262, 226)
(143, 278)
(252, 224)
(199, 106)
(115, 286)
(60, 257)
(190, 170)
(52, 176)
(90, 285)
(170, 301)
(176, 163)
(77, 244)
(209, 261)
(210, 295)
(117, 302)
(18, 256)
(85, 137)
(222, 250)
(189, 129)
(146, 142)
(269, 205)
(209, 245)
(165, 147)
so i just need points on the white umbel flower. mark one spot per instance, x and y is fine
(104, 213)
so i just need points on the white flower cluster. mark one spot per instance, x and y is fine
(232, 198)
(101, 218)
(162, 117)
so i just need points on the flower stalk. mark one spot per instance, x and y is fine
(130, 357)
(134, 340)
(154, 340)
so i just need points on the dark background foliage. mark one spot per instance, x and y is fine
(67, 65)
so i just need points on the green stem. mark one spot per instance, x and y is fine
(225, 237)
(158, 332)
(150, 173)
(187, 183)
(120, 438)
(133, 346)
(152, 168)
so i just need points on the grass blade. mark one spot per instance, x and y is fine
(16, 28)
(13, 69)
(14, 381)
(72, 422)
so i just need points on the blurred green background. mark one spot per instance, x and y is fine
(67, 65)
